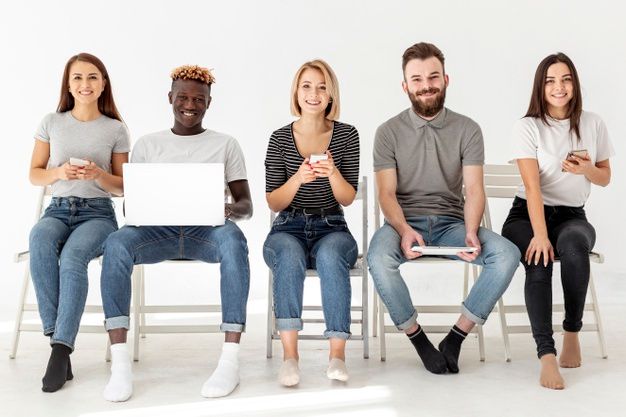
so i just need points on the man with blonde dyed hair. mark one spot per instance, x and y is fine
(187, 142)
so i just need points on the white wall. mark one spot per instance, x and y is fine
(492, 49)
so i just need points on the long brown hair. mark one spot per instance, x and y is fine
(106, 104)
(538, 107)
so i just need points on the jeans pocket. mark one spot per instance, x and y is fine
(335, 220)
(99, 204)
(280, 220)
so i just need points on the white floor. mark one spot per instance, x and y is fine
(172, 369)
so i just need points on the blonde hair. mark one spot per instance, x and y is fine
(332, 86)
(193, 72)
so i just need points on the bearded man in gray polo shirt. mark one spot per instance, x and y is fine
(422, 158)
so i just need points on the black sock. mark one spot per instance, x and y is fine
(59, 368)
(450, 346)
(433, 360)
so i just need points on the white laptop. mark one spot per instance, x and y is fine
(173, 194)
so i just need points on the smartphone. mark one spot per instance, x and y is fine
(316, 157)
(581, 153)
(78, 162)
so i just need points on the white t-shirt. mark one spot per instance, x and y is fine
(550, 144)
(206, 147)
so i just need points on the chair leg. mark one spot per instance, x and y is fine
(365, 315)
(504, 327)
(381, 324)
(374, 313)
(137, 307)
(481, 343)
(270, 316)
(142, 314)
(596, 312)
(20, 312)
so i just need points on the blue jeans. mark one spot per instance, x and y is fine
(297, 242)
(152, 244)
(498, 258)
(61, 244)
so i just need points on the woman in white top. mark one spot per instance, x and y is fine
(79, 151)
(560, 151)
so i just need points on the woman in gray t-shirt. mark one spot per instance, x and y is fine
(79, 152)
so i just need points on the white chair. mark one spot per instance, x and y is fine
(359, 270)
(140, 309)
(502, 181)
(380, 309)
(24, 307)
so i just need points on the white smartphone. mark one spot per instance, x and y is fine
(78, 162)
(443, 250)
(316, 157)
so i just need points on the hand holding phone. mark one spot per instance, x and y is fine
(78, 162)
(316, 157)
(576, 162)
(581, 153)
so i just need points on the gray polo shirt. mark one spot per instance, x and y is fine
(428, 157)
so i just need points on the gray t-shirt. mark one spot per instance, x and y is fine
(428, 157)
(206, 147)
(95, 140)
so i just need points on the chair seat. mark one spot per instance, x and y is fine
(355, 271)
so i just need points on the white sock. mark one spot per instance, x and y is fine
(225, 378)
(337, 370)
(289, 373)
(120, 386)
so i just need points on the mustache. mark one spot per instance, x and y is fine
(431, 90)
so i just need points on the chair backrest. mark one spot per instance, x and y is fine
(361, 195)
(501, 181)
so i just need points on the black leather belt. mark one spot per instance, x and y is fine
(316, 211)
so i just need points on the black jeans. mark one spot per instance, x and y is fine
(572, 238)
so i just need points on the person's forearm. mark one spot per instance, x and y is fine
(43, 176)
(534, 201)
(111, 183)
(474, 209)
(393, 213)
(343, 192)
(281, 198)
(599, 176)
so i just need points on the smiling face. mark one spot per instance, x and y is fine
(425, 83)
(313, 95)
(190, 100)
(558, 89)
(85, 83)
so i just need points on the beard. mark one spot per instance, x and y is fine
(436, 103)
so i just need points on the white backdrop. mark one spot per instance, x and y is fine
(492, 49)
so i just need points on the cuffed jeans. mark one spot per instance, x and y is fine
(572, 238)
(297, 242)
(61, 244)
(152, 244)
(498, 258)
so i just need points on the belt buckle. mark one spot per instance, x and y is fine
(304, 211)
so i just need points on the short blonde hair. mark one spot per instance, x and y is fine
(332, 86)
(193, 72)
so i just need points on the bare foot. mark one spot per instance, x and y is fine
(550, 375)
(570, 356)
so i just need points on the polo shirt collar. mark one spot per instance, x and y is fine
(437, 122)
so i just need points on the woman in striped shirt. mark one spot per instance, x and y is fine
(311, 170)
